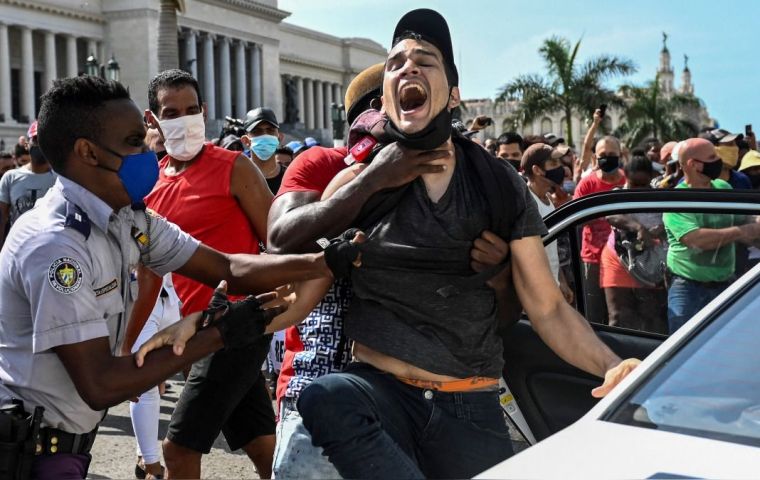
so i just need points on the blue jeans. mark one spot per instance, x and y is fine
(687, 297)
(371, 425)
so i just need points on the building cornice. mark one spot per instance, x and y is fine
(251, 7)
(311, 34)
(218, 29)
(55, 10)
(136, 13)
(310, 63)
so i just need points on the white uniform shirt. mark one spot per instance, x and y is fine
(66, 279)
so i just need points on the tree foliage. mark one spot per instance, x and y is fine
(651, 113)
(569, 87)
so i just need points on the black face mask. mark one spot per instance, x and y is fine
(434, 135)
(514, 163)
(755, 179)
(38, 158)
(556, 175)
(712, 169)
(609, 163)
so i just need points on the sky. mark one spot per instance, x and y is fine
(496, 40)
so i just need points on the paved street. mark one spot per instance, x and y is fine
(114, 450)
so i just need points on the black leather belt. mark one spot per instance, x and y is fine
(52, 441)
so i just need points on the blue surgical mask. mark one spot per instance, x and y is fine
(264, 146)
(138, 173)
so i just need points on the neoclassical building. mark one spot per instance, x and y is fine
(241, 51)
(502, 112)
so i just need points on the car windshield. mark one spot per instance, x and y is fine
(711, 387)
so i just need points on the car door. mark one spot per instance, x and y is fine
(551, 393)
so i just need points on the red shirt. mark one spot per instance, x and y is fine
(596, 232)
(199, 201)
(311, 171)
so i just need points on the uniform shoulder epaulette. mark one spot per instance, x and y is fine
(77, 219)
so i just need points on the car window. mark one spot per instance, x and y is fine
(643, 271)
(711, 387)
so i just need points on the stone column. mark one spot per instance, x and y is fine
(92, 49)
(191, 52)
(301, 103)
(209, 87)
(309, 101)
(5, 73)
(225, 82)
(256, 75)
(319, 106)
(328, 105)
(51, 72)
(337, 93)
(71, 56)
(27, 74)
(240, 100)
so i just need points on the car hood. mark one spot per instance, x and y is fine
(596, 449)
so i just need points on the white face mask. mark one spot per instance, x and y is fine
(183, 136)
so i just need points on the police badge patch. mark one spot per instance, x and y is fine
(65, 275)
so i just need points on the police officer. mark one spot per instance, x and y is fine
(66, 292)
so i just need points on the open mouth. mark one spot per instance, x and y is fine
(411, 97)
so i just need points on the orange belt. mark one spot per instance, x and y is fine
(463, 385)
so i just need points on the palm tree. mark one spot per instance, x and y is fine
(651, 113)
(568, 87)
(168, 50)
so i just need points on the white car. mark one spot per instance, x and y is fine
(690, 410)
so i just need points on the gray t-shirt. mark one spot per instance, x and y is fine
(398, 312)
(20, 189)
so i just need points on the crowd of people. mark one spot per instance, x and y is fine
(646, 271)
(133, 252)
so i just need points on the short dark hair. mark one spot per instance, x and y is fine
(174, 78)
(510, 137)
(20, 150)
(284, 150)
(69, 110)
(638, 164)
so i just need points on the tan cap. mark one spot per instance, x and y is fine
(749, 160)
(369, 81)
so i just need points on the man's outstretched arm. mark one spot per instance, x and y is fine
(558, 324)
(248, 274)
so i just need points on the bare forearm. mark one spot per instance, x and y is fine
(296, 231)
(262, 273)
(570, 336)
(149, 286)
(252, 274)
(712, 238)
(588, 141)
(122, 379)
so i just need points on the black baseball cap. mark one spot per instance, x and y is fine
(258, 115)
(719, 135)
(431, 27)
(553, 139)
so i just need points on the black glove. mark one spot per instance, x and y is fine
(242, 324)
(341, 253)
